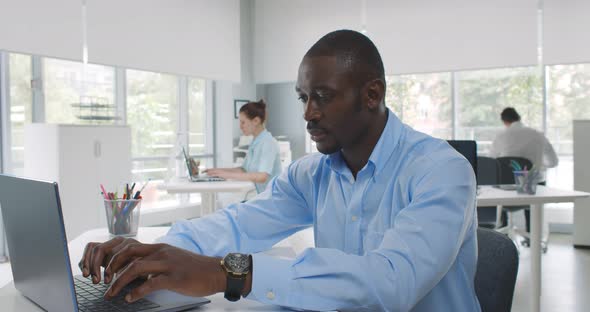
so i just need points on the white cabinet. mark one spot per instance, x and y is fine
(582, 182)
(79, 159)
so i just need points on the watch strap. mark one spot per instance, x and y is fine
(234, 286)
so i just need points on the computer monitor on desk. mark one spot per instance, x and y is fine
(468, 149)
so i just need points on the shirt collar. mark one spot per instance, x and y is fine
(382, 151)
(259, 137)
(516, 124)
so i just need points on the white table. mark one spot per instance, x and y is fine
(12, 301)
(491, 196)
(208, 190)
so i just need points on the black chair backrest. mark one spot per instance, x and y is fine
(497, 266)
(488, 171)
(506, 171)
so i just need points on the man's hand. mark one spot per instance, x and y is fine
(165, 267)
(100, 254)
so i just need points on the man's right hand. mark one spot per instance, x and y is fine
(100, 254)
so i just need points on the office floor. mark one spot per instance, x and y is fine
(566, 277)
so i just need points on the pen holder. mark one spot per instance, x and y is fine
(122, 216)
(525, 182)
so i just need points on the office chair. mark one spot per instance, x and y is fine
(497, 266)
(507, 177)
(488, 173)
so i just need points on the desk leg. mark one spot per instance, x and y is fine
(208, 203)
(499, 209)
(536, 233)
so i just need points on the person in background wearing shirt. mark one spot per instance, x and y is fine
(393, 211)
(518, 140)
(263, 161)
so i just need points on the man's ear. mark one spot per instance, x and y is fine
(374, 93)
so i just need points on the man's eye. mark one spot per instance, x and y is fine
(323, 98)
(303, 98)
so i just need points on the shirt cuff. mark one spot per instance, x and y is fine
(270, 279)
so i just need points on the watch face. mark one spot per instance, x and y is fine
(237, 263)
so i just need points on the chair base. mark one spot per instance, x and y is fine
(516, 234)
(513, 232)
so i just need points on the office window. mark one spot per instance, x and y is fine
(152, 114)
(196, 112)
(423, 102)
(482, 95)
(78, 94)
(568, 98)
(21, 104)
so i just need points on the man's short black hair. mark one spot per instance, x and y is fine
(510, 115)
(352, 50)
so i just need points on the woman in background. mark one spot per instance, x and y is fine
(262, 162)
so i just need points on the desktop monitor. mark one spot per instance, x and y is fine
(468, 149)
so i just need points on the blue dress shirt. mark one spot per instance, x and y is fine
(401, 237)
(263, 156)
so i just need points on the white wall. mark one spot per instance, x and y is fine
(246, 89)
(223, 101)
(285, 115)
(227, 127)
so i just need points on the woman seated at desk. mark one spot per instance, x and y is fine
(262, 161)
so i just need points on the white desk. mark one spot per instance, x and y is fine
(208, 190)
(12, 301)
(490, 196)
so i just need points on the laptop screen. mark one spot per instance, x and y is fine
(37, 242)
(191, 165)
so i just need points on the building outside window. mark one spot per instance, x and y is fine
(423, 101)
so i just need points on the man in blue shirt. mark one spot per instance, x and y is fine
(393, 211)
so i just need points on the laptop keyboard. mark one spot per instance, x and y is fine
(91, 298)
(207, 179)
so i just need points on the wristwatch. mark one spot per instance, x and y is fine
(236, 267)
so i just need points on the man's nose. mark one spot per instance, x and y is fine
(310, 112)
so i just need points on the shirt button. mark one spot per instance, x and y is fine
(270, 295)
(354, 218)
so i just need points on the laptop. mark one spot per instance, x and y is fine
(193, 170)
(40, 259)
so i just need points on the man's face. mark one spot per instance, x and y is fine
(336, 117)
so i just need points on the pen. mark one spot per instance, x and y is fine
(141, 190)
(104, 192)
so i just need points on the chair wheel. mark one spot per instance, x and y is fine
(544, 247)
